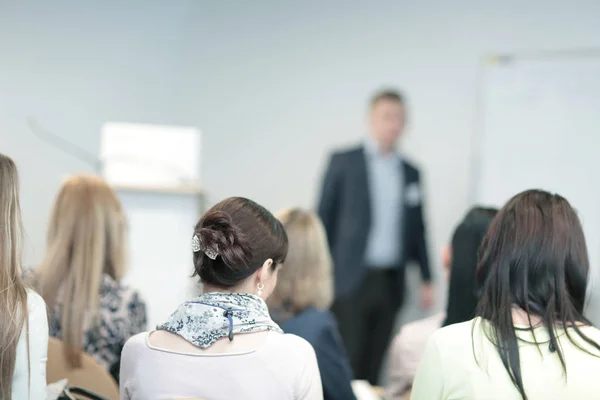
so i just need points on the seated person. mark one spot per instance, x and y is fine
(529, 328)
(304, 293)
(460, 260)
(24, 334)
(223, 344)
(80, 275)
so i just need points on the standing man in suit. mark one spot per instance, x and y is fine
(371, 206)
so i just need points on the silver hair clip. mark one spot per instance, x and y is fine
(197, 246)
(211, 254)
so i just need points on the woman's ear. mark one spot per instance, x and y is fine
(447, 257)
(264, 272)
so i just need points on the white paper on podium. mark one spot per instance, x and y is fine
(150, 155)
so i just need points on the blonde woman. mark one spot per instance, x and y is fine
(23, 320)
(91, 311)
(304, 293)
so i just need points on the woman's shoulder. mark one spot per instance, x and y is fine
(38, 318)
(310, 323)
(288, 339)
(136, 343)
(456, 336)
(122, 304)
(35, 303)
(289, 345)
(112, 291)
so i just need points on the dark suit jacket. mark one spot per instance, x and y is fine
(320, 330)
(346, 213)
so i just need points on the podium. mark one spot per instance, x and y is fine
(155, 171)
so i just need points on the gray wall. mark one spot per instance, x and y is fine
(273, 85)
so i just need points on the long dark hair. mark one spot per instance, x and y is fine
(534, 257)
(466, 240)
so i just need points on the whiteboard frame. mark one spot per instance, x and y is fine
(479, 123)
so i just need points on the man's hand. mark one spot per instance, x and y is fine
(426, 296)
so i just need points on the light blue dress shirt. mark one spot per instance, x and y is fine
(385, 178)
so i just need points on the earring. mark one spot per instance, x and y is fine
(260, 287)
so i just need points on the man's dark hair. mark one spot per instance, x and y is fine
(387, 95)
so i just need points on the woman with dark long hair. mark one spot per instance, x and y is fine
(529, 339)
(460, 260)
(462, 289)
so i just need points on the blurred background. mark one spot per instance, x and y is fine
(273, 86)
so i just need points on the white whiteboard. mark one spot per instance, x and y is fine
(540, 128)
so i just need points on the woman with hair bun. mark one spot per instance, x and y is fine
(224, 344)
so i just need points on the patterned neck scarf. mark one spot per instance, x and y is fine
(212, 316)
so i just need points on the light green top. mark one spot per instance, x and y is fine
(449, 370)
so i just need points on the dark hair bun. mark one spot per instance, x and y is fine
(244, 235)
(217, 232)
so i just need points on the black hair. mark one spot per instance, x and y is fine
(534, 258)
(466, 240)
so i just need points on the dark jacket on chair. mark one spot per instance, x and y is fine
(320, 330)
(346, 213)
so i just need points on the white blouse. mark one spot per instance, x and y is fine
(450, 371)
(284, 367)
(34, 359)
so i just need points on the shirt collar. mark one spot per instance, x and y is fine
(372, 149)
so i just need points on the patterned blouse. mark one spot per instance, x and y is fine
(122, 315)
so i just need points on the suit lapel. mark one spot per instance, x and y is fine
(404, 209)
(407, 177)
(363, 177)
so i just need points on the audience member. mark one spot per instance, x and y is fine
(460, 260)
(80, 275)
(23, 321)
(530, 339)
(224, 344)
(462, 291)
(303, 295)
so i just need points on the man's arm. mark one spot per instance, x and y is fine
(422, 254)
(330, 197)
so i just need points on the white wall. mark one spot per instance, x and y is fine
(274, 86)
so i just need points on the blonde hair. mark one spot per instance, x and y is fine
(305, 279)
(13, 295)
(86, 238)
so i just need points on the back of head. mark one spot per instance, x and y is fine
(236, 237)
(534, 258)
(466, 240)
(13, 296)
(305, 279)
(86, 238)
